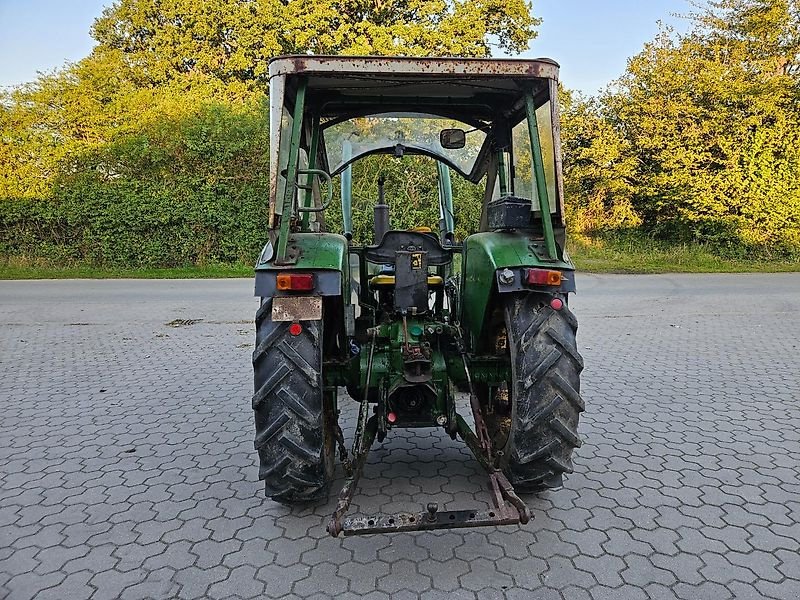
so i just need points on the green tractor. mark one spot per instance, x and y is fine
(410, 320)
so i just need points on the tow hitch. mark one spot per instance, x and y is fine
(507, 508)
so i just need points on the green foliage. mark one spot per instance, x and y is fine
(411, 191)
(701, 135)
(174, 192)
(20, 269)
(631, 251)
(599, 168)
(153, 149)
(234, 39)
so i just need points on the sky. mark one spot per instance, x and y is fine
(591, 39)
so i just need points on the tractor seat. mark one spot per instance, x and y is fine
(383, 280)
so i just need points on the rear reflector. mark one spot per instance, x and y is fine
(295, 329)
(543, 277)
(295, 282)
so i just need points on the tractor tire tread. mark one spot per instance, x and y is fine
(288, 407)
(547, 367)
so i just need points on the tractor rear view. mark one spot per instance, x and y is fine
(409, 319)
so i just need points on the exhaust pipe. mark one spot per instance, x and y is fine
(381, 213)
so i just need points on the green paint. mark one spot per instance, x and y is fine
(486, 252)
(325, 251)
(430, 337)
(291, 171)
(538, 171)
(388, 364)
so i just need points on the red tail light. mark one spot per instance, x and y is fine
(543, 277)
(295, 282)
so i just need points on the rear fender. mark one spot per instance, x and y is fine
(325, 255)
(486, 255)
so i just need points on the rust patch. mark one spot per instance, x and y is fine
(294, 308)
(381, 66)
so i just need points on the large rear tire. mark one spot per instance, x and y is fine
(539, 430)
(294, 437)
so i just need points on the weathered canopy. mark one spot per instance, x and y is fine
(465, 88)
(486, 97)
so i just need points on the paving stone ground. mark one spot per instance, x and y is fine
(127, 467)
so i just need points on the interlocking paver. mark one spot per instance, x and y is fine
(484, 574)
(562, 573)
(403, 576)
(73, 586)
(280, 580)
(159, 584)
(195, 581)
(363, 580)
(127, 468)
(445, 575)
(641, 572)
(321, 577)
(110, 584)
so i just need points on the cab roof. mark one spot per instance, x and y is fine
(472, 89)
(403, 65)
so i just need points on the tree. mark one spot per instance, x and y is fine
(599, 168)
(234, 39)
(152, 150)
(713, 121)
(768, 29)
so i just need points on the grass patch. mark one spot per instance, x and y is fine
(27, 271)
(631, 254)
(618, 254)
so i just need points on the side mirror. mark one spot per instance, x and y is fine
(452, 139)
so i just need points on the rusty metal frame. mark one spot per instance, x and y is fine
(398, 65)
(507, 508)
(290, 193)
